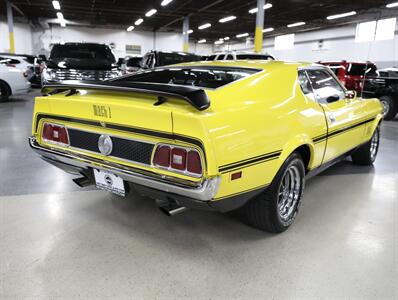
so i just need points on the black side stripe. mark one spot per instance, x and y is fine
(250, 161)
(142, 131)
(323, 137)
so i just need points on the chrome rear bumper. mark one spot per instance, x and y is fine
(75, 164)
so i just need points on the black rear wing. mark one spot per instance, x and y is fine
(195, 96)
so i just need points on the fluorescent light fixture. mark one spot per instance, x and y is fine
(365, 32)
(226, 38)
(139, 21)
(268, 29)
(219, 42)
(227, 19)
(266, 6)
(165, 2)
(130, 28)
(201, 41)
(190, 31)
(56, 5)
(60, 16)
(242, 35)
(343, 15)
(296, 24)
(151, 12)
(385, 29)
(204, 26)
(391, 5)
(284, 42)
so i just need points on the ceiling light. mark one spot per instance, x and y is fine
(139, 21)
(151, 12)
(242, 35)
(268, 29)
(165, 2)
(266, 6)
(62, 23)
(351, 13)
(204, 26)
(202, 41)
(391, 5)
(226, 38)
(190, 31)
(218, 42)
(296, 24)
(56, 5)
(227, 19)
(60, 16)
(130, 28)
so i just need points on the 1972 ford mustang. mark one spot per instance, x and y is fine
(208, 135)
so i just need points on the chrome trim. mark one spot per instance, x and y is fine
(202, 191)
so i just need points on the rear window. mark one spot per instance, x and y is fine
(82, 51)
(361, 70)
(166, 59)
(254, 56)
(206, 77)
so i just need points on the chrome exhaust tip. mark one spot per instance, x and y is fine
(82, 181)
(170, 208)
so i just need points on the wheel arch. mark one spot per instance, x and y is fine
(7, 85)
(302, 145)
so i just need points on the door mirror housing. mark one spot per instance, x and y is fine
(350, 94)
(332, 99)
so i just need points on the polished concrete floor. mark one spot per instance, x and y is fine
(61, 242)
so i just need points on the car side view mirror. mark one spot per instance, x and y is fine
(350, 94)
(332, 99)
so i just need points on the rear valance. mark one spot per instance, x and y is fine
(195, 96)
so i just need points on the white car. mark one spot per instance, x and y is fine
(234, 55)
(19, 62)
(13, 81)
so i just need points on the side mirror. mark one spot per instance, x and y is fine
(332, 99)
(350, 94)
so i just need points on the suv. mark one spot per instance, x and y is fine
(155, 59)
(80, 61)
(351, 74)
(240, 56)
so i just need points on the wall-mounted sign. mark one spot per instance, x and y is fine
(133, 49)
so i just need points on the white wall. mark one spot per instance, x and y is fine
(147, 40)
(22, 37)
(338, 43)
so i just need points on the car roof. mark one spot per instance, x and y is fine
(253, 64)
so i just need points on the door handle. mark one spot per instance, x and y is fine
(331, 118)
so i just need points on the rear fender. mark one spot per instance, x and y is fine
(294, 144)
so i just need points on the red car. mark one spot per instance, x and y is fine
(351, 74)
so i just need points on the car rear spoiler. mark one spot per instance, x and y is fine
(195, 96)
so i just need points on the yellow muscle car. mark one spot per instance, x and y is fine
(208, 135)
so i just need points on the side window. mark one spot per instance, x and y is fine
(325, 86)
(230, 57)
(305, 84)
(221, 57)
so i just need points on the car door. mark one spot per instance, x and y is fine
(343, 112)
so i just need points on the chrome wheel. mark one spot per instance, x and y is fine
(386, 107)
(289, 193)
(374, 145)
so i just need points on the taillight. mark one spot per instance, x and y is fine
(55, 134)
(178, 159)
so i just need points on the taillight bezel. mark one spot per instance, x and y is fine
(172, 170)
(47, 141)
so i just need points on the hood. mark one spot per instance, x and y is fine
(80, 64)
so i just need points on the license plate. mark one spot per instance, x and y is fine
(109, 182)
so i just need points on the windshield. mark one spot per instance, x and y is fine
(206, 77)
(254, 56)
(361, 69)
(82, 51)
(166, 59)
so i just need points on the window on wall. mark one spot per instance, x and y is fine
(284, 42)
(376, 30)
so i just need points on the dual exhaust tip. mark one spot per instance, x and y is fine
(168, 207)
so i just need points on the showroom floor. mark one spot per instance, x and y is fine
(61, 242)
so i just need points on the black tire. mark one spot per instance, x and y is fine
(390, 107)
(366, 154)
(5, 91)
(263, 211)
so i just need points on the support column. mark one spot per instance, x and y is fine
(185, 34)
(258, 37)
(10, 21)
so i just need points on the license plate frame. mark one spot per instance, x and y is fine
(109, 182)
